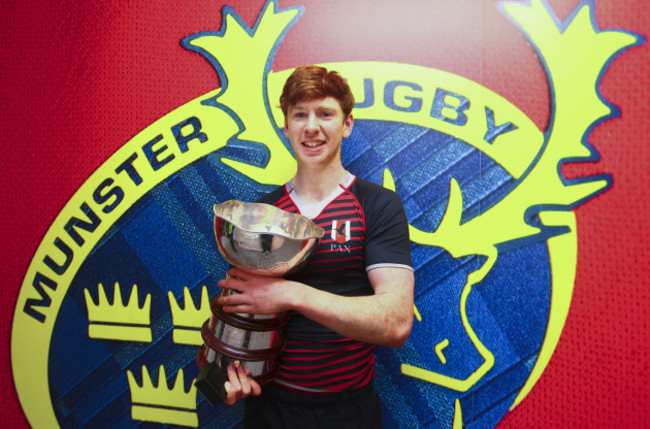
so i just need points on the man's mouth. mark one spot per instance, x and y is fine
(313, 144)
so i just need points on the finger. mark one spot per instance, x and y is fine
(234, 284)
(243, 379)
(232, 272)
(233, 299)
(237, 308)
(231, 395)
(228, 284)
(256, 389)
(223, 284)
(233, 378)
(239, 273)
(232, 386)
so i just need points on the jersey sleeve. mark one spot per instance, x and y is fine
(387, 232)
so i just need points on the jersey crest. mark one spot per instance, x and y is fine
(340, 231)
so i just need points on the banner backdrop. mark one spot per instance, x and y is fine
(515, 133)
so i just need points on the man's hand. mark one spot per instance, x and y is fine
(259, 294)
(240, 383)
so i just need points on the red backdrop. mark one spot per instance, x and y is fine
(79, 80)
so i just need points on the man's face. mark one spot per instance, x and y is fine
(316, 128)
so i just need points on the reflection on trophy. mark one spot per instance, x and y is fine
(264, 240)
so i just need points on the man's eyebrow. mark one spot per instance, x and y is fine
(302, 107)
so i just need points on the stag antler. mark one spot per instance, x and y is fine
(575, 58)
(237, 50)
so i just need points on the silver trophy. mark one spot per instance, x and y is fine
(264, 240)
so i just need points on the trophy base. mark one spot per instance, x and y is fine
(211, 382)
(214, 374)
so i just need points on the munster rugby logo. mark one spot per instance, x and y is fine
(106, 324)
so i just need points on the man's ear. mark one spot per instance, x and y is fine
(348, 124)
(286, 127)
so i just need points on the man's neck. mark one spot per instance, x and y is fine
(316, 184)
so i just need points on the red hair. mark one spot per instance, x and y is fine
(313, 82)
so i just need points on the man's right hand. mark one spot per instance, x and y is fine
(240, 383)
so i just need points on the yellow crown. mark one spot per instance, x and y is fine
(190, 317)
(152, 403)
(160, 395)
(108, 320)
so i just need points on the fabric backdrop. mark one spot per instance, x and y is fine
(79, 79)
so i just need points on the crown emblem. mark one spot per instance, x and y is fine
(188, 321)
(115, 321)
(159, 403)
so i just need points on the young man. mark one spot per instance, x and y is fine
(355, 292)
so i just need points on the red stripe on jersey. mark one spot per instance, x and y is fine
(328, 260)
(326, 383)
(355, 383)
(325, 270)
(319, 364)
(341, 360)
(315, 345)
(333, 210)
(359, 348)
(309, 358)
(286, 203)
(336, 383)
(328, 373)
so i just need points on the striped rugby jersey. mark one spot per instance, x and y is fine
(365, 227)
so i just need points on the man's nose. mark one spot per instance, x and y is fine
(312, 123)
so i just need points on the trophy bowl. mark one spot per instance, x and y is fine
(264, 240)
